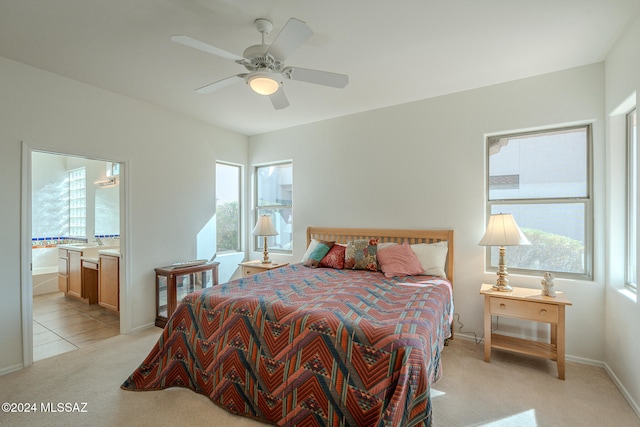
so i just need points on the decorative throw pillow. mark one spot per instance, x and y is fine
(399, 261)
(382, 245)
(432, 257)
(321, 249)
(312, 245)
(334, 258)
(361, 255)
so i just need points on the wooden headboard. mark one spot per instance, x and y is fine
(343, 235)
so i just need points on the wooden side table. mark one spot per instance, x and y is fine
(175, 281)
(528, 304)
(255, 267)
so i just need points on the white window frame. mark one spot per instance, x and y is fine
(258, 242)
(632, 199)
(240, 170)
(586, 201)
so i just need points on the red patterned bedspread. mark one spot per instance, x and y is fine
(302, 346)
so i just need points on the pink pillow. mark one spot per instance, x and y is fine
(398, 261)
(334, 258)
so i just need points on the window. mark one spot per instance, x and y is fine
(544, 180)
(273, 197)
(77, 202)
(228, 218)
(632, 197)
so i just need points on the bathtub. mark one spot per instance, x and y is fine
(44, 274)
(45, 280)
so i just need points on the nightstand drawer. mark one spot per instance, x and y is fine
(248, 271)
(249, 268)
(538, 312)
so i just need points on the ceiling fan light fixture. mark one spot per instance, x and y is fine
(263, 83)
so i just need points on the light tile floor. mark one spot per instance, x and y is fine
(62, 324)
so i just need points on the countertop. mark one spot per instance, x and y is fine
(110, 252)
(92, 251)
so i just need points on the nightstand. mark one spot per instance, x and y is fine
(527, 304)
(255, 267)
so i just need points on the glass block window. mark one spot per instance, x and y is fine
(78, 202)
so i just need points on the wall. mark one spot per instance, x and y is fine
(623, 311)
(422, 165)
(169, 165)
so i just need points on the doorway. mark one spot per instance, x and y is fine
(71, 202)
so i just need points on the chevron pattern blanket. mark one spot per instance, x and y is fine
(299, 346)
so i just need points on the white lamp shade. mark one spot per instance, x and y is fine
(264, 227)
(263, 83)
(502, 230)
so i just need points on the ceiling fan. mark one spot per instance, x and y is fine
(265, 62)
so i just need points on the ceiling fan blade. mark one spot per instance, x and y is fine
(197, 44)
(291, 37)
(318, 77)
(279, 99)
(220, 84)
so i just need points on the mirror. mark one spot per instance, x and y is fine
(107, 211)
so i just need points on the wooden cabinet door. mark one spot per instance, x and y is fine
(63, 271)
(75, 274)
(109, 283)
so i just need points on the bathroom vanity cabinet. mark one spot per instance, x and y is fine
(90, 273)
(71, 279)
(109, 282)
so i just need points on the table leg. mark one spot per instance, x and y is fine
(560, 342)
(487, 328)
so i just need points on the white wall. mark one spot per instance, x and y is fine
(422, 165)
(623, 312)
(170, 165)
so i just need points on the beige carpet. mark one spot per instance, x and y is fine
(510, 391)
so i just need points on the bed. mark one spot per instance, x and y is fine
(313, 346)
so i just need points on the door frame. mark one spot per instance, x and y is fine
(26, 283)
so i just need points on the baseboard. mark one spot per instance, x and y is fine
(10, 369)
(634, 405)
(468, 337)
(140, 328)
(584, 361)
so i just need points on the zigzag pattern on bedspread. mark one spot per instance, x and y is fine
(301, 346)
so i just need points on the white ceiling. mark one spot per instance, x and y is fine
(394, 52)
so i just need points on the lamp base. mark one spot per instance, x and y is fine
(265, 253)
(502, 284)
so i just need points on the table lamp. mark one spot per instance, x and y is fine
(264, 227)
(502, 231)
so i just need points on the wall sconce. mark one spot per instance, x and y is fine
(106, 182)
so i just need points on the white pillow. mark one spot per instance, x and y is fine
(432, 257)
(386, 245)
(310, 248)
